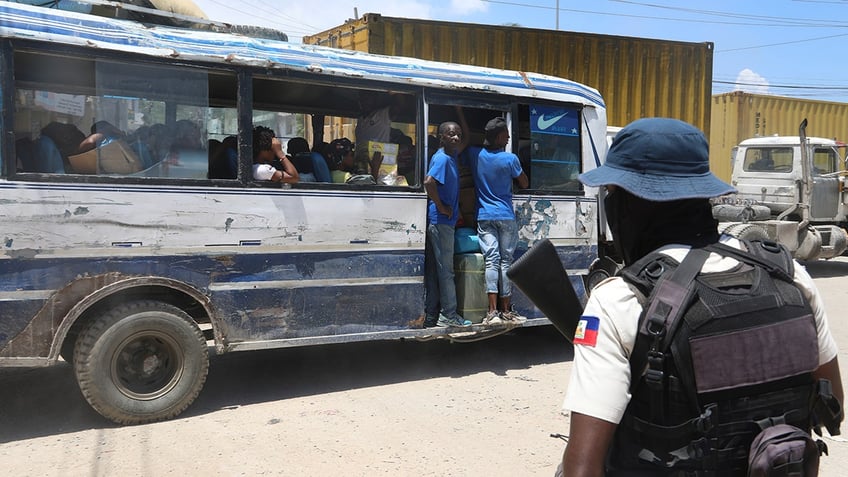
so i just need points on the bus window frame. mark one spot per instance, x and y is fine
(12, 47)
(355, 84)
(580, 121)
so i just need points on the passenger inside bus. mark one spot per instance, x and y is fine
(105, 151)
(405, 156)
(266, 148)
(223, 158)
(218, 164)
(186, 156)
(102, 133)
(159, 141)
(67, 138)
(40, 155)
(311, 166)
(374, 125)
(340, 155)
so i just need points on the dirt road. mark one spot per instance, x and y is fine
(391, 408)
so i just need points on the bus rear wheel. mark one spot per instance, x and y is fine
(142, 361)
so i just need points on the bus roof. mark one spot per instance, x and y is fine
(44, 24)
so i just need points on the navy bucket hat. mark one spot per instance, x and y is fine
(659, 159)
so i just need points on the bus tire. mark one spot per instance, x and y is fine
(67, 349)
(142, 361)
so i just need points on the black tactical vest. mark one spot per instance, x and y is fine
(738, 356)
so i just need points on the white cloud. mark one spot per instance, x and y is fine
(465, 7)
(751, 82)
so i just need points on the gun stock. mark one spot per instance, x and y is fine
(541, 276)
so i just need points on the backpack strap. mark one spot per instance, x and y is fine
(660, 320)
(772, 256)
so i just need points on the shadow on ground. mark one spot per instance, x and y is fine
(837, 267)
(46, 401)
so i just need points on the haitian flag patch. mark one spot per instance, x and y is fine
(587, 331)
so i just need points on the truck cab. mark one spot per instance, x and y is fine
(768, 170)
(791, 189)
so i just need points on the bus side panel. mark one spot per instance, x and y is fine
(102, 220)
(14, 317)
(572, 258)
(321, 294)
(272, 246)
(564, 220)
(571, 225)
(38, 293)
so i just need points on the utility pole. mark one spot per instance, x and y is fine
(557, 14)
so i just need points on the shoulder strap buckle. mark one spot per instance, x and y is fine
(655, 372)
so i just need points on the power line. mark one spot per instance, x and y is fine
(786, 21)
(785, 86)
(253, 14)
(685, 20)
(781, 43)
(280, 13)
(832, 82)
(709, 12)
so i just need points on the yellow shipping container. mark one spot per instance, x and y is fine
(739, 115)
(638, 77)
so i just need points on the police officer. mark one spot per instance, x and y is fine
(658, 186)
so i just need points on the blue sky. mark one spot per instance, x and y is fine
(791, 48)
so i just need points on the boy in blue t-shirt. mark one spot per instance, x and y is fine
(442, 186)
(494, 170)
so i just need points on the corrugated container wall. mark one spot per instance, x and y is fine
(638, 77)
(739, 115)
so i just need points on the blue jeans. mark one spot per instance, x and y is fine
(498, 239)
(439, 286)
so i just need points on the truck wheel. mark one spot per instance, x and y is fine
(746, 232)
(142, 361)
(595, 277)
(599, 271)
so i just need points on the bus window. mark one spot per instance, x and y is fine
(549, 147)
(133, 120)
(321, 113)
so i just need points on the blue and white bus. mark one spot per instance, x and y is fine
(132, 262)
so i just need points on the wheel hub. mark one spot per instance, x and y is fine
(147, 365)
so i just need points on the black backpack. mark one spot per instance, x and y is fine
(709, 368)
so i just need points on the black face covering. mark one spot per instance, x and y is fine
(641, 226)
(624, 229)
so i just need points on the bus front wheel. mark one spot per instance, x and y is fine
(142, 361)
